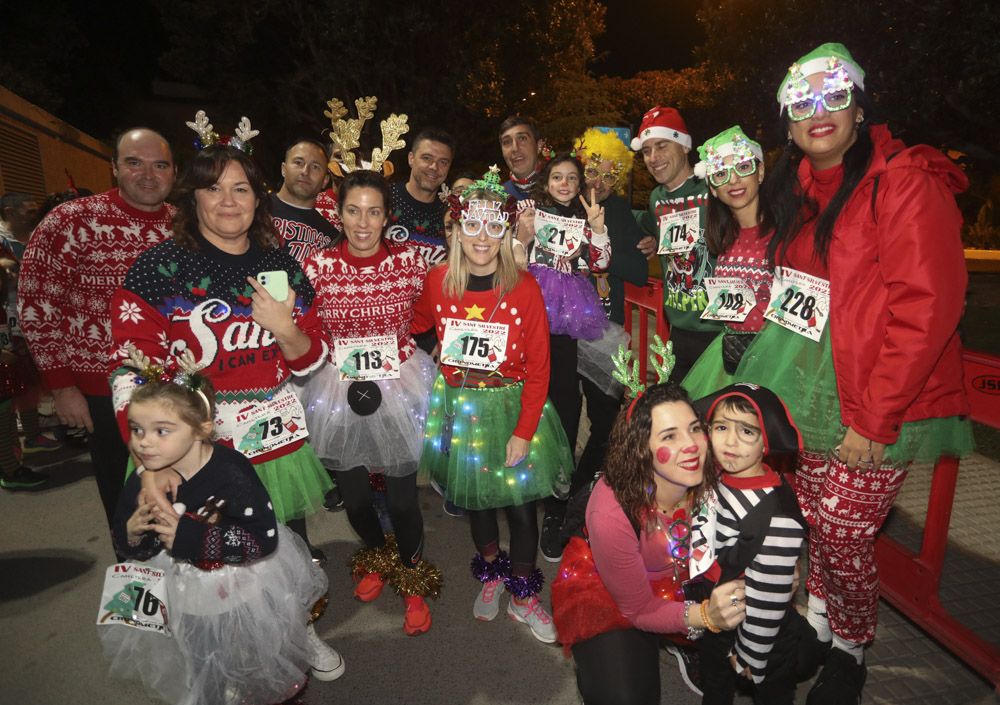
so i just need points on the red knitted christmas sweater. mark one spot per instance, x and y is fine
(527, 360)
(77, 257)
(747, 259)
(358, 297)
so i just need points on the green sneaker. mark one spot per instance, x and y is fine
(24, 478)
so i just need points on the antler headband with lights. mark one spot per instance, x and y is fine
(240, 139)
(345, 135)
(627, 369)
(181, 370)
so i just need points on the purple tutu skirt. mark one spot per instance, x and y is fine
(571, 303)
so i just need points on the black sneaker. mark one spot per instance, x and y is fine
(689, 664)
(24, 478)
(811, 654)
(318, 557)
(840, 682)
(333, 502)
(551, 541)
(452, 509)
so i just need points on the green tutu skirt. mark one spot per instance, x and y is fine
(801, 372)
(708, 375)
(297, 483)
(473, 473)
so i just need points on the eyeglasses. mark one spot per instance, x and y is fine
(722, 176)
(679, 534)
(833, 102)
(592, 173)
(494, 228)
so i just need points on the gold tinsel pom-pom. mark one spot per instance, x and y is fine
(424, 579)
(318, 609)
(381, 560)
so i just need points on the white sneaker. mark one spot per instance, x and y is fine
(534, 615)
(327, 664)
(487, 605)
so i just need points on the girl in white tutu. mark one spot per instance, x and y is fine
(237, 587)
(366, 410)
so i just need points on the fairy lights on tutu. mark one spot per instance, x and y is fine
(207, 136)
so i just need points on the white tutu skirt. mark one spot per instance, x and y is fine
(387, 439)
(237, 634)
(594, 359)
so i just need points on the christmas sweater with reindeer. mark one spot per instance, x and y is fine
(77, 257)
(526, 357)
(372, 296)
(176, 299)
(419, 224)
(228, 517)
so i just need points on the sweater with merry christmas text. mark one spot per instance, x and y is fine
(77, 257)
(360, 297)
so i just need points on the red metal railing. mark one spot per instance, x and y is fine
(909, 581)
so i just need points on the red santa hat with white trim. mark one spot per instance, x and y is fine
(662, 123)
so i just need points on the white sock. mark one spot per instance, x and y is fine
(855, 650)
(816, 616)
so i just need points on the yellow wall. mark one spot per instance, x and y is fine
(61, 147)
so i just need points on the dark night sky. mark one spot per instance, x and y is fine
(640, 35)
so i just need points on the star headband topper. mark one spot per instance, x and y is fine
(181, 370)
(345, 135)
(240, 139)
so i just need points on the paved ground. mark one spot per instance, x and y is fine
(53, 552)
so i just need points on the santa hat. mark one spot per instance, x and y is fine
(781, 435)
(661, 123)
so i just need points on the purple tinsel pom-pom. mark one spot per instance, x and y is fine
(486, 571)
(526, 586)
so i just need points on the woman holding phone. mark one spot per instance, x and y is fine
(202, 291)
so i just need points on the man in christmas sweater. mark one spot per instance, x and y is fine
(77, 257)
(417, 214)
(677, 210)
(302, 229)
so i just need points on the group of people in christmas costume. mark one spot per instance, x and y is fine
(826, 281)
(816, 287)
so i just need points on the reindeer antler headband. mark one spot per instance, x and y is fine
(181, 370)
(627, 369)
(345, 135)
(240, 139)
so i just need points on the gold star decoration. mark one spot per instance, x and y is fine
(474, 312)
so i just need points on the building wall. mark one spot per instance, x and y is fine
(37, 149)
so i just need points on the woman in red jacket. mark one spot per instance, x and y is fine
(868, 291)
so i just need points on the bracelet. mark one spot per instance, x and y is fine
(692, 632)
(705, 618)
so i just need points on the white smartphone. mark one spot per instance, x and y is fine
(276, 283)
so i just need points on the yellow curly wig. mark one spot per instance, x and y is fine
(608, 146)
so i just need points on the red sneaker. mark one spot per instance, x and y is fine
(418, 616)
(369, 587)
